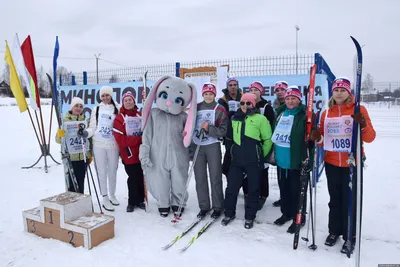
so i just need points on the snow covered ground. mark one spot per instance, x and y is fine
(140, 236)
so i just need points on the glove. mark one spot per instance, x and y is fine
(90, 160)
(146, 162)
(82, 133)
(315, 135)
(60, 132)
(360, 119)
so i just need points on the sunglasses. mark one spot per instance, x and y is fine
(248, 103)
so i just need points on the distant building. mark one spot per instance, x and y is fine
(4, 88)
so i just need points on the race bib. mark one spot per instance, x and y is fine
(338, 133)
(262, 110)
(208, 116)
(105, 125)
(133, 126)
(281, 135)
(233, 105)
(75, 144)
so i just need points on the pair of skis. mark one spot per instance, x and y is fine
(187, 230)
(305, 169)
(68, 170)
(355, 165)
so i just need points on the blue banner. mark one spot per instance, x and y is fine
(91, 98)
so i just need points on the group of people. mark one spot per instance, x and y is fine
(254, 132)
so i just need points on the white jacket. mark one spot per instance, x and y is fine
(101, 130)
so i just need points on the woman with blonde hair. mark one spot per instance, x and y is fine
(335, 135)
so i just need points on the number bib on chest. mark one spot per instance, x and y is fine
(105, 126)
(133, 125)
(73, 142)
(281, 136)
(233, 105)
(208, 116)
(337, 133)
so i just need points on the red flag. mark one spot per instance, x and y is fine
(29, 60)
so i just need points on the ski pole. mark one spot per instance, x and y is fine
(177, 217)
(95, 190)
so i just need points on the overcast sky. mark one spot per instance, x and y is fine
(140, 32)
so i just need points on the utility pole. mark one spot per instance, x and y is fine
(97, 67)
(297, 54)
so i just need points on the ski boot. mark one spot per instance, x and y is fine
(225, 221)
(248, 224)
(216, 214)
(202, 214)
(331, 240)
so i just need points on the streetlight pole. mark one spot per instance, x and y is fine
(97, 67)
(297, 55)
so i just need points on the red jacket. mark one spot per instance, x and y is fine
(127, 144)
(368, 133)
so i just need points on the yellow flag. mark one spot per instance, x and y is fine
(15, 84)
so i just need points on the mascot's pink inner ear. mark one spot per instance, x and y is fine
(189, 122)
(150, 100)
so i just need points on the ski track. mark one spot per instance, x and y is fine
(140, 236)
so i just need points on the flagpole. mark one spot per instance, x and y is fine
(39, 128)
(34, 128)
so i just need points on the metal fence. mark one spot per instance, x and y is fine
(256, 66)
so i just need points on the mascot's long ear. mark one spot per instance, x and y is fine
(150, 100)
(191, 119)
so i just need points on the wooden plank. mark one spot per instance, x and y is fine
(102, 234)
(52, 216)
(51, 231)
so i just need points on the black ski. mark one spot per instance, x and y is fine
(68, 170)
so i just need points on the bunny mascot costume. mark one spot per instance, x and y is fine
(167, 132)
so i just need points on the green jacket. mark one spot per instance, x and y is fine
(77, 157)
(297, 144)
(249, 131)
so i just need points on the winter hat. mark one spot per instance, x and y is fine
(249, 97)
(342, 82)
(128, 94)
(75, 101)
(230, 80)
(281, 84)
(258, 85)
(106, 90)
(293, 90)
(209, 87)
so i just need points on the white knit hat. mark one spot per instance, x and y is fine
(75, 101)
(106, 90)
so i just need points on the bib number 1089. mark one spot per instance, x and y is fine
(340, 143)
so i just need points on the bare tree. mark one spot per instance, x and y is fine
(368, 83)
(113, 79)
(6, 73)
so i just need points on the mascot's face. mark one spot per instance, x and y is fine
(173, 95)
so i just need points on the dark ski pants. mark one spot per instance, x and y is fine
(135, 183)
(226, 162)
(79, 168)
(264, 184)
(289, 183)
(338, 181)
(235, 181)
(209, 155)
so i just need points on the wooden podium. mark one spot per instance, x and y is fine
(68, 217)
